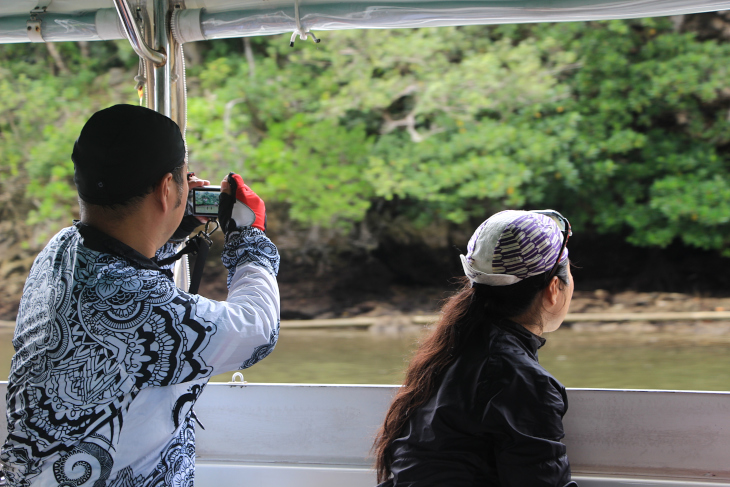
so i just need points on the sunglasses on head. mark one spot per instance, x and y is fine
(564, 227)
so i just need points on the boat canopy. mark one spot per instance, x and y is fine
(196, 20)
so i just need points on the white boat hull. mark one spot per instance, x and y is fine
(320, 435)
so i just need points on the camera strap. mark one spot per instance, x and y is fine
(200, 245)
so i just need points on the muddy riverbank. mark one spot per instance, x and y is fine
(411, 275)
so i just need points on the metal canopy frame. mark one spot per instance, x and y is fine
(195, 20)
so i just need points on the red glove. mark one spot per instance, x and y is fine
(245, 210)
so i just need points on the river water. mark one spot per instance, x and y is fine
(679, 358)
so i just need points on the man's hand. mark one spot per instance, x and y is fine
(190, 222)
(240, 206)
(194, 182)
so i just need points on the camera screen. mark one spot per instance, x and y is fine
(206, 201)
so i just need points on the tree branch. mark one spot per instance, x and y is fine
(57, 59)
(227, 114)
(84, 48)
(249, 57)
(409, 122)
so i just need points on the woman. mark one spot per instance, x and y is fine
(477, 409)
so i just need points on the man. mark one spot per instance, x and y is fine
(110, 355)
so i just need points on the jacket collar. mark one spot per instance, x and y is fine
(531, 341)
(99, 241)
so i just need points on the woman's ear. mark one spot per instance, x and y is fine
(552, 292)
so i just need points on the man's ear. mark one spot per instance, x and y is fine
(163, 191)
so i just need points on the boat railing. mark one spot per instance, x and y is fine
(321, 435)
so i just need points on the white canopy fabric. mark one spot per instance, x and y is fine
(570, 8)
(73, 20)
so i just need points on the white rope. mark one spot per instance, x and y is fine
(141, 80)
(299, 30)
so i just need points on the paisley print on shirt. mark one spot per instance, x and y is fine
(93, 330)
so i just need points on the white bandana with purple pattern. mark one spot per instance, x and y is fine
(511, 246)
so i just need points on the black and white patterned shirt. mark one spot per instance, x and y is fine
(111, 356)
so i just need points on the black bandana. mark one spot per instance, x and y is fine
(122, 151)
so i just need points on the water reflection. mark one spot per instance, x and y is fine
(6, 351)
(333, 357)
(683, 359)
(590, 359)
(687, 358)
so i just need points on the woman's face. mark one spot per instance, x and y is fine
(561, 309)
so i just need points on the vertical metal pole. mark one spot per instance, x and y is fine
(145, 15)
(160, 16)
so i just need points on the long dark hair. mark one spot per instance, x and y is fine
(471, 308)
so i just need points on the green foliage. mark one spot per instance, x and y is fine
(316, 168)
(41, 114)
(650, 143)
(623, 125)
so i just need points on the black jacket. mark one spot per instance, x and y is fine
(495, 420)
